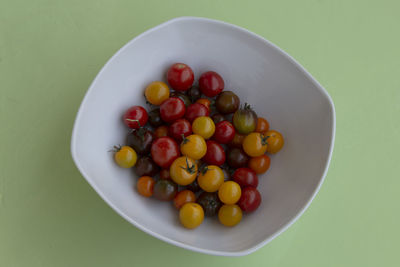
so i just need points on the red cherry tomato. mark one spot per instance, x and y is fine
(211, 83)
(172, 109)
(215, 154)
(180, 76)
(196, 110)
(245, 177)
(135, 117)
(250, 199)
(164, 151)
(179, 127)
(224, 132)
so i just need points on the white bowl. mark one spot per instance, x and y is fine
(261, 74)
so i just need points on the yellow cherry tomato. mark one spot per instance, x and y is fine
(229, 192)
(210, 178)
(191, 215)
(183, 170)
(255, 144)
(203, 126)
(194, 146)
(125, 156)
(275, 141)
(156, 93)
(230, 215)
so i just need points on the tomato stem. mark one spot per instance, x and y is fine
(184, 139)
(264, 139)
(135, 121)
(189, 169)
(115, 148)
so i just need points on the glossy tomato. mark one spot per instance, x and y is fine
(206, 102)
(165, 190)
(210, 203)
(183, 171)
(210, 178)
(145, 166)
(145, 186)
(180, 76)
(194, 146)
(227, 102)
(237, 140)
(196, 110)
(224, 132)
(184, 197)
(203, 126)
(215, 154)
(156, 93)
(245, 177)
(217, 118)
(229, 192)
(191, 215)
(172, 109)
(230, 215)
(275, 141)
(245, 120)
(260, 164)
(164, 151)
(250, 199)
(194, 93)
(211, 83)
(236, 157)
(140, 140)
(255, 144)
(262, 125)
(135, 117)
(125, 156)
(183, 97)
(178, 128)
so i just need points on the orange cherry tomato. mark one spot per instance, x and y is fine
(275, 141)
(184, 197)
(145, 186)
(260, 164)
(206, 102)
(161, 131)
(262, 125)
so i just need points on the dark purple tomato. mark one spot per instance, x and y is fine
(145, 166)
(165, 190)
(140, 140)
(236, 158)
(210, 203)
(227, 102)
(217, 118)
(155, 118)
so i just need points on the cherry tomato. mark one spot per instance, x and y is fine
(191, 215)
(194, 93)
(275, 141)
(255, 144)
(210, 178)
(164, 151)
(194, 146)
(250, 199)
(164, 174)
(155, 118)
(215, 154)
(236, 158)
(183, 171)
(211, 83)
(245, 177)
(224, 132)
(206, 102)
(186, 100)
(196, 110)
(140, 140)
(203, 126)
(178, 128)
(260, 164)
(125, 156)
(165, 190)
(172, 109)
(145, 186)
(184, 197)
(135, 117)
(180, 76)
(229, 192)
(245, 120)
(230, 215)
(237, 140)
(262, 125)
(210, 203)
(145, 166)
(227, 102)
(156, 93)
(217, 118)
(161, 131)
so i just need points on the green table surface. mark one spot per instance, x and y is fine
(51, 50)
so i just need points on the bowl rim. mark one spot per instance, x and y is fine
(285, 226)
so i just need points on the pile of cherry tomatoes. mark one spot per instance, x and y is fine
(198, 147)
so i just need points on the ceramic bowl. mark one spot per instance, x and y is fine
(261, 74)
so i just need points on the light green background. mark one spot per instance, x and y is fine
(50, 51)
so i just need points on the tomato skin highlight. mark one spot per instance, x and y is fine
(224, 132)
(211, 83)
(250, 199)
(245, 177)
(164, 151)
(172, 109)
(215, 154)
(135, 117)
(180, 76)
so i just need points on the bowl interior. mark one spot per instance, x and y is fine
(261, 75)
